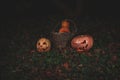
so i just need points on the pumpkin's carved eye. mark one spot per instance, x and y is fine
(38, 43)
(44, 43)
(83, 42)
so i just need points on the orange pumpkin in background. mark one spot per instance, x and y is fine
(82, 43)
(64, 26)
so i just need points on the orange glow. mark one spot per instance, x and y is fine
(64, 26)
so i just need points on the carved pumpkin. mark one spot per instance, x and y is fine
(64, 26)
(82, 43)
(43, 45)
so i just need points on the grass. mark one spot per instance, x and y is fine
(23, 62)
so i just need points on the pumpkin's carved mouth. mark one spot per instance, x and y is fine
(84, 47)
(45, 48)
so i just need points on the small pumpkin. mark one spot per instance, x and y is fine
(43, 45)
(82, 43)
(64, 26)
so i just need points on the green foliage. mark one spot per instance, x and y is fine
(82, 66)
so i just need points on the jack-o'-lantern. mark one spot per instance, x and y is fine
(43, 45)
(82, 43)
(64, 26)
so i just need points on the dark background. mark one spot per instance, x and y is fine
(36, 15)
(39, 15)
(62, 7)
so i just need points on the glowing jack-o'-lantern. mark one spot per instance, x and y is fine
(82, 43)
(64, 26)
(43, 45)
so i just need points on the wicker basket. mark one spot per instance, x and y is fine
(61, 40)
